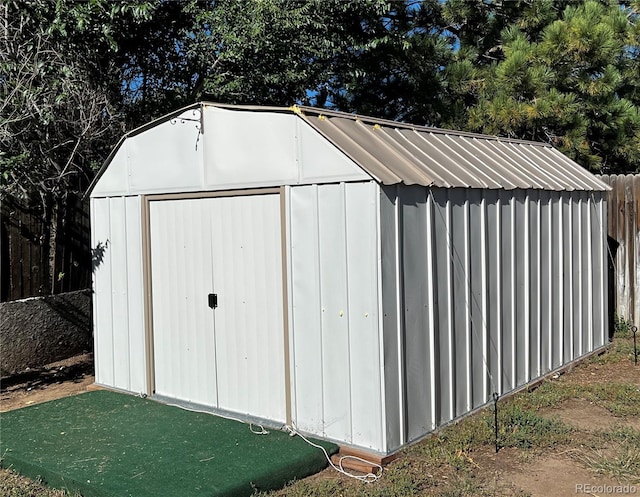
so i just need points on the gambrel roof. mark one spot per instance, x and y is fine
(210, 146)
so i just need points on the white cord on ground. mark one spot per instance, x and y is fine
(368, 478)
(261, 431)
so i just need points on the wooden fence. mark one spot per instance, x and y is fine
(28, 265)
(623, 204)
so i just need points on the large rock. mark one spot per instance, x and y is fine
(40, 330)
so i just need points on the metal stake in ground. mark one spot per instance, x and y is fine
(635, 345)
(495, 418)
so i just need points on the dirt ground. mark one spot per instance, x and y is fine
(53, 381)
(558, 473)
(555, 473)
(561, 473)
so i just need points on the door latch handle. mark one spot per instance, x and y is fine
(213, 300)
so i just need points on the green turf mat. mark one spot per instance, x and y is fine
(116, 445)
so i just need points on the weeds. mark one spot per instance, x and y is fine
(623, 434)
(622, 328)
(620, 399)
(623, 464)
(614, 452)
(523, 429)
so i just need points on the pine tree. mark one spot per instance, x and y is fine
(574, 86)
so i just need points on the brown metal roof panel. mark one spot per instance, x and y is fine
(523, 167)
(477, 178)
(428, 163)
(551, 167)
(369, 140)
(528, 173)
(453, 146)
(465, 175)
(535, 167)
(394, 124)
(351, 148)
(564, 168)
(412, 166)
(595, 183)
(511, 166)
(490, 164)
(440, 164)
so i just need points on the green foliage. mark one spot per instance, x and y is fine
(568, 84)
(76, 75)
(524, 428)
(621, 399)
(622, 328)
(57, 114)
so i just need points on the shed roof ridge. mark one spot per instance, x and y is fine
(303, 110)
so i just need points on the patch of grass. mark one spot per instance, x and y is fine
(622, 328)
(468, 483)
(523, 428)
(472, 484)
(316, 488)
(624, 435)
(549, 394)
(623, 464)
(403, 479)
(620, 350)
(614, 453)
(621, 399)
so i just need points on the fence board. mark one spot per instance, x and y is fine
(624, 226)
(24, 251)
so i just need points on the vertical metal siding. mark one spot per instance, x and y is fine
(334, 306)
(118, 297)
(306, 319)
(118, 232)
(417, 341)
(391, 317)
(360, 200)
(335, 312)
(102, 302)
(511, 273)
(535, 284)
(135, 296)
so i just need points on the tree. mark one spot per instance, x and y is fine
(57, 121)
(396, 69)
(75, 75)
(568, 87)
(369, 57)
(477, 28)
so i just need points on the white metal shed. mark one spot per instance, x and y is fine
(363, 280)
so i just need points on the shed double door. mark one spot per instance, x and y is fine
(216, 279)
